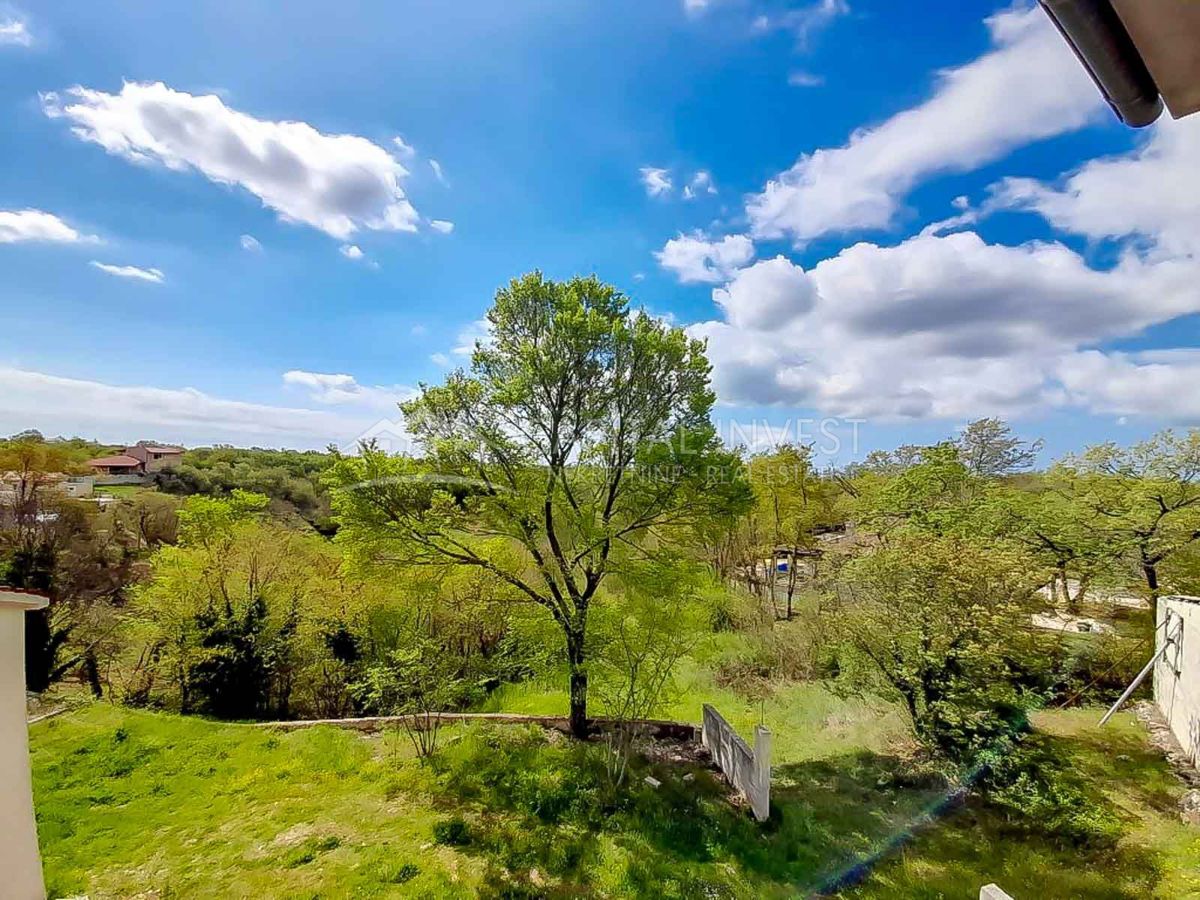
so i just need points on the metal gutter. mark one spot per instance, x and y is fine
(1098, 37)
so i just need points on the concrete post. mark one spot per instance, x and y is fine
(20, 862)
(760, 799)
(992, 892)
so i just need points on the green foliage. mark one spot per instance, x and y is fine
(1144, 499)
(1039, 792)
(988, 447)
(233, 619)
(943, 621)
(290, 478)
(579, 438)
(938, 494)
(420, 682)
(452, 833)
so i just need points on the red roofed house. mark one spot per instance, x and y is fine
(139, 459)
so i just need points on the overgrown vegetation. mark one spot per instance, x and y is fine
(572, 538)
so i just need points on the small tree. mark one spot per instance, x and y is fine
(419, 683)
(640, 645)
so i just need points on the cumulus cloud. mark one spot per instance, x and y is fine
(441, 226)
(338, 183)
(439, 359)
(155, 276)
(1152, 193)
(15, 32)
(351, 251)
(697, 260)
(438, 172)
(1157, 383)
(18, 225)
(119, 413)
(935, 327)
(656, 181)
(250, 243)
(339, 389)
(1028, 87)
(768, 294)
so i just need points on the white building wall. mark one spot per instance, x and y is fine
(1177, 673)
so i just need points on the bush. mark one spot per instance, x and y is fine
(452, 832)
(1039, 793)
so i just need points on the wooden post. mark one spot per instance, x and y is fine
(20, 862)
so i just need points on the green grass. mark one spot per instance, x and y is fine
(125, 491)
(138, 803)
(807, 720)
(1158, 856)
(134, 803)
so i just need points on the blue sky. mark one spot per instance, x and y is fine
(210, 232)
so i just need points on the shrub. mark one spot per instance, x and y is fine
(452, 832)
(1040, 793)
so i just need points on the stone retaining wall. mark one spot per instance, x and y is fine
(662, 730)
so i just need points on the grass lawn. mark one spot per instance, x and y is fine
(125, 491)
(140, 803)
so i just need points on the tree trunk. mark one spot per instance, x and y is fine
(1150, 570)
(91, 669)
(579, 722)
(579, 684)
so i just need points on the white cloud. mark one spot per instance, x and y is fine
(119, 413)
(656, 181)
(936, 327)
(697, 6)
(439, 359)
(479, 331)
(438, 172)
(800, 78)
(17, 225)
(155, 276)
(351, 251)
(338, 183)
(250, 243)
(1157, 383)
(768, 294)
(406, 150)
(805, 22)
(441, 225)
(701, 183)
(1029, 87)
(15, 32)
(1152, 193)
(419, 330)
(332, 389)
(697, 260)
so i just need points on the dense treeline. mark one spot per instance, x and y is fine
(290, 478)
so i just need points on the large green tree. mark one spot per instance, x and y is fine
(1144, 498)
(579, 438)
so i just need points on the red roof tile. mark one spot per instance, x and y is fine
(115, 461)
